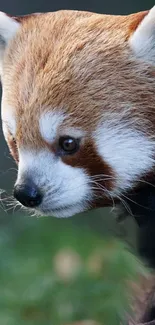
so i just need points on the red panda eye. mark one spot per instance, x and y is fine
(68, 144)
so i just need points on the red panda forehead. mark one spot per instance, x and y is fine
(72, 62)
(52, 41)
(79, 22)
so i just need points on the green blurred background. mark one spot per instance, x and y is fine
(55, 271)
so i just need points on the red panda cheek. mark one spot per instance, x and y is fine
(88, 158)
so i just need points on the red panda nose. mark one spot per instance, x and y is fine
(28, 195)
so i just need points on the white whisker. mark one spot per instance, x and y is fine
(140, 205)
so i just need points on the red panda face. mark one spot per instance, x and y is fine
(74, 109)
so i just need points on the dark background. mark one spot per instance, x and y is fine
(102, 6)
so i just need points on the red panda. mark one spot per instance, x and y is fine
(78, 107)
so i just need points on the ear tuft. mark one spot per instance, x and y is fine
(8, 28)
(142, 40)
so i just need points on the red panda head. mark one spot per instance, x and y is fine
(78, 106)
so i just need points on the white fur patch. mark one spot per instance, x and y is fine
(8, 28)
(127, 151)
(8, 120)
(49, 123)
(142, 41)
(66, 189)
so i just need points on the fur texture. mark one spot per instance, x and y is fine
(84, 76)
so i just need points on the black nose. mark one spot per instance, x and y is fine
(27, 194)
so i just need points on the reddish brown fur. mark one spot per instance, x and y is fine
(135, 22)
(13, 147)
(88, 158)
(75, 61)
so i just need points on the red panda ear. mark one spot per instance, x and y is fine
(142, 41)
(8, 28)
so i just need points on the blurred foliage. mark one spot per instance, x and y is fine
(54, 273)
